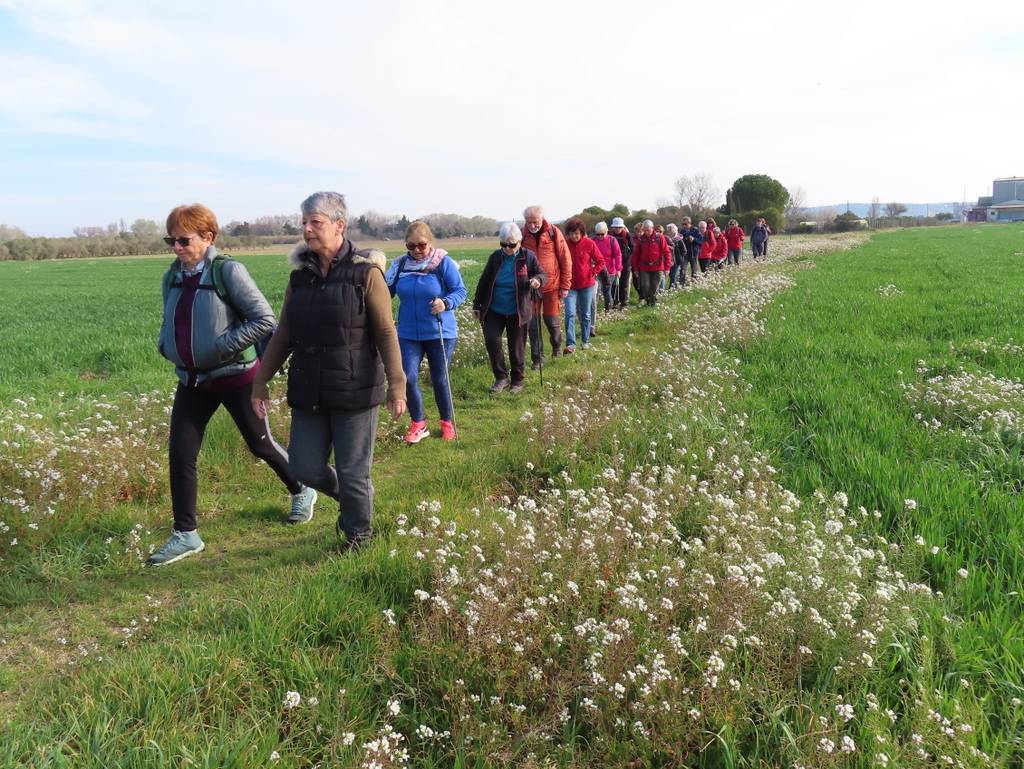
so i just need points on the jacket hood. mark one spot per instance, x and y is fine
(301, 256)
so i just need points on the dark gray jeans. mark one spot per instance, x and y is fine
(352, 435)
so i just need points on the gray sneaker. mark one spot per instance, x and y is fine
(181, 545)
(302, 506)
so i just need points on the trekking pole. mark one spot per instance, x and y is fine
(447, 376)
(537, 300)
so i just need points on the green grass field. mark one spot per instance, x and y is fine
(658, 559)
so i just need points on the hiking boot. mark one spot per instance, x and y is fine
(447, 430)
(417, 432)
(569, 349)
(181, 545)
(535, 365)
(516, 388)
(501, 384)
(586, 345)
(302, 506)
(593, 331)
(353, 542)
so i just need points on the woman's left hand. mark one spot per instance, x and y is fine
(437, 306)
(396, 408)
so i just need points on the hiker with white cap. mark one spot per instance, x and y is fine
(620, 232)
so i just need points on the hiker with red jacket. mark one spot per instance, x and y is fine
(651, 257)
(734, 236)
(707, 246)
(547, 243)
(587, 264)
(721, 252)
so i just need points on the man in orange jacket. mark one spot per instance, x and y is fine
(548, 243)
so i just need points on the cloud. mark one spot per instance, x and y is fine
(468, 106)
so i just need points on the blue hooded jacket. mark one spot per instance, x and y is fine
(416, 290)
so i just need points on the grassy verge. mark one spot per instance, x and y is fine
(605, 572)
(837, 395)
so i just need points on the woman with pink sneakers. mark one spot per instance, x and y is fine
(429, 287)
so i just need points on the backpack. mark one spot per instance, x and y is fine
(259, 347)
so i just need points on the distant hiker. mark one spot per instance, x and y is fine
(611, 252)
(759, 238)
(429, 286)
(620, 232)
(504, 303)
(734, 236)
(689, 249)
(338, 331)
(677, 246)
(548, 245)
(651, 258)
(213, 315)
(721, 250)
(587, 262)
(707, 245)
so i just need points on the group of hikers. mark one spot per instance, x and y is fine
(347, 355)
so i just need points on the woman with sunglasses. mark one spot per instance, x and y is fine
(429, 288)
(504, 305)
(210, 339)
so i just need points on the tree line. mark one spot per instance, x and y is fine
(750, 197)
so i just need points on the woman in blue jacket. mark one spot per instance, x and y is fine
(429, 288)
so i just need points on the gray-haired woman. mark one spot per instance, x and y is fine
(336, 325)
(503, 304)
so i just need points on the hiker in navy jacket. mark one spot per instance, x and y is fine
(429, 287)
(689, 249)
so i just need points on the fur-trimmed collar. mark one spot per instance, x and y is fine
(301, 256)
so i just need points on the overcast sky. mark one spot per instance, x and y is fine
(114, 109)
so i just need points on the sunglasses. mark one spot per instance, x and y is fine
(508, 245)
(182, 241)
(416, 246)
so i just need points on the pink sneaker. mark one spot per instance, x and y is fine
(447, 430)
(417, 432)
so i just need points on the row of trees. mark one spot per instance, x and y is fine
(145, 236)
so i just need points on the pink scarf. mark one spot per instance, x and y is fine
(426, 263)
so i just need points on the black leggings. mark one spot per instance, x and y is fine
(191, 413)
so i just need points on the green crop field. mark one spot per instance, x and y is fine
(775, 521)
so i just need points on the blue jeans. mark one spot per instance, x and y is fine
(581, 299)
(413, 352)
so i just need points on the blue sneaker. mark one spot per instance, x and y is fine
(302, 506)
(181, 545)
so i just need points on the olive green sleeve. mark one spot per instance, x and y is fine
(382, 329)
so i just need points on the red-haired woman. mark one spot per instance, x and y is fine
(210, 339)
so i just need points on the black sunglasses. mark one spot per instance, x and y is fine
(414, 246)
(508, 245)
(182, 241)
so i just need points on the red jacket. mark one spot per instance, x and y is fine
(652, 254)
(734, 237)
(721, 250)
(550, 247)
(707, 248)
(587, 262)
